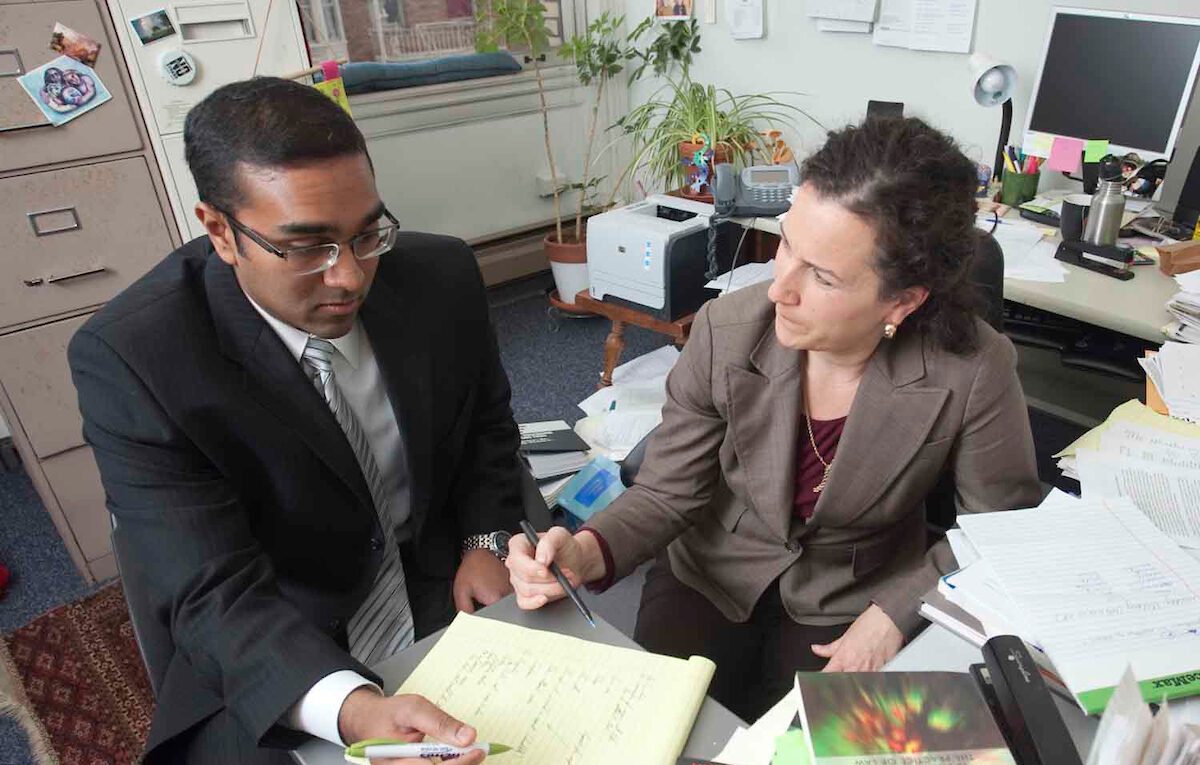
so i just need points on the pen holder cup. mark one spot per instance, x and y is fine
(1018, 188)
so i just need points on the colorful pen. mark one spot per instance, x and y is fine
(532, 536)
(383, 747)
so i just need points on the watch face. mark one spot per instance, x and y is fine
(500, 542)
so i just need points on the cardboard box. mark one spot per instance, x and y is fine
(1178, 258)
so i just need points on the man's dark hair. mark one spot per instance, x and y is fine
(265, 122)
(915, 188)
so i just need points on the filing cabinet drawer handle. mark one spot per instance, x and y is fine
(74, 225)
(55, 279)
(16, 55)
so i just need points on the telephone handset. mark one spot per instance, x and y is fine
(758, 191)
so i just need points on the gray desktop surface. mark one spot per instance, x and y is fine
(713, 727)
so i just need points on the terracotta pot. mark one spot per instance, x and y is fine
(687, 149)
(568, 263)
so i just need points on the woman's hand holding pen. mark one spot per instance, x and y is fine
(578, 556)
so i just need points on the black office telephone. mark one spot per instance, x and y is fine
(757, 192)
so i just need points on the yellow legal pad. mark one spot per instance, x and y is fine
(560, 700)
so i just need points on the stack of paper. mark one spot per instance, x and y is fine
(1098, 587)
(1130, 735)
(1175, 371)
(1028, 255)
(756, 745)
(857, 16)
(973, 604)
(1185, 307)
(1148, 458)
(743, 276)
(622, 414)
(551, 449)
(941, 25)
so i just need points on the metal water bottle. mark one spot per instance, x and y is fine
(1108, 206)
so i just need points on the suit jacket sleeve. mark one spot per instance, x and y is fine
(681, 469)
(187, 528)
(486, 492)
(994, 468)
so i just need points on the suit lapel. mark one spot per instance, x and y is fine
(275, 379)
(888, 422)
(402, 350)
(764, 416)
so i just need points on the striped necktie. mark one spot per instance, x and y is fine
(383, 624)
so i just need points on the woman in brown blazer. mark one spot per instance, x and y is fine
(805, 425)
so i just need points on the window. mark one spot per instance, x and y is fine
(399, 30)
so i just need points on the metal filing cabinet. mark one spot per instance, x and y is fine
(83, 213)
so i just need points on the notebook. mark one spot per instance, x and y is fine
(558, 699)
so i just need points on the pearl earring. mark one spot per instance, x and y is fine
(889, 331)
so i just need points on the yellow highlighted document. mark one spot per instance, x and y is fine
(559, 700)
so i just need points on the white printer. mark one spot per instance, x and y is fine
(653, 254)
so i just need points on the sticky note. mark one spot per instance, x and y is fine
(1095, 149)
(1038, 144)
(1065, 154)
(791, 749)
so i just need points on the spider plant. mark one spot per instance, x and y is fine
(686, 111)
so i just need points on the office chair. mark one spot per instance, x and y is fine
(150, 628)
(987, 274)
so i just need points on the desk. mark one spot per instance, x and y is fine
(1136, 307)
(939, 649)
(713, 727)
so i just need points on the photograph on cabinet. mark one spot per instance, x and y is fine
(64, 89)
(77, 45)
(152, 26)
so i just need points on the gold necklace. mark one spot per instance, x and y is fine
(816, 451)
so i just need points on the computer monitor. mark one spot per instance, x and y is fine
(1126, 77)
(1180, 197)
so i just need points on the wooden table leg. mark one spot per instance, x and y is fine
(613, 345)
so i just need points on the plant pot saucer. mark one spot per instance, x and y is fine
(568, 309)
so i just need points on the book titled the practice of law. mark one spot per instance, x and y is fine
(909, 718)
(559, 700)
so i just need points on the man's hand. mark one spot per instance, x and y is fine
(866, 646)
(481, 578)
(365, 714)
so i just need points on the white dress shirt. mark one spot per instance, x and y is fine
(357, 374)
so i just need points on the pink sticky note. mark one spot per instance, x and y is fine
(1066, 154)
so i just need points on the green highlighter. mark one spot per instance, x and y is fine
(391, 747)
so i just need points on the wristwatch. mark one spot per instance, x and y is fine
(496, 543)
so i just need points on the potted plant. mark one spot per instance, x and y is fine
(686, 127)
(522, 24)
(599, 55)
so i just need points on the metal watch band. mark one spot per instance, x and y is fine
(490, 542)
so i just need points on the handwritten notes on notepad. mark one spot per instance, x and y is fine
(560, 700)
(1101, 587)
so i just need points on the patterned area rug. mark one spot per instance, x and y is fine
(74, 680)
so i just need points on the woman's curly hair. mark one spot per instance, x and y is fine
(916, 189)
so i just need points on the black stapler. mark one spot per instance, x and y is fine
(1022, 704)
(1107, 259)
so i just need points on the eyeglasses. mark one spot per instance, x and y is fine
(320, 257)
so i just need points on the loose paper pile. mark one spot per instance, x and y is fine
(1148, 458)
(1185, 307)
(621, 415)
(1130, 735)
(1175, 371)
(742, 276)
(1099, 587)
(1028, 254)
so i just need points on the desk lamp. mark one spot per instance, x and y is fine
(993, 83)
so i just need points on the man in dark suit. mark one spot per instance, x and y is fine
(304, 434)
